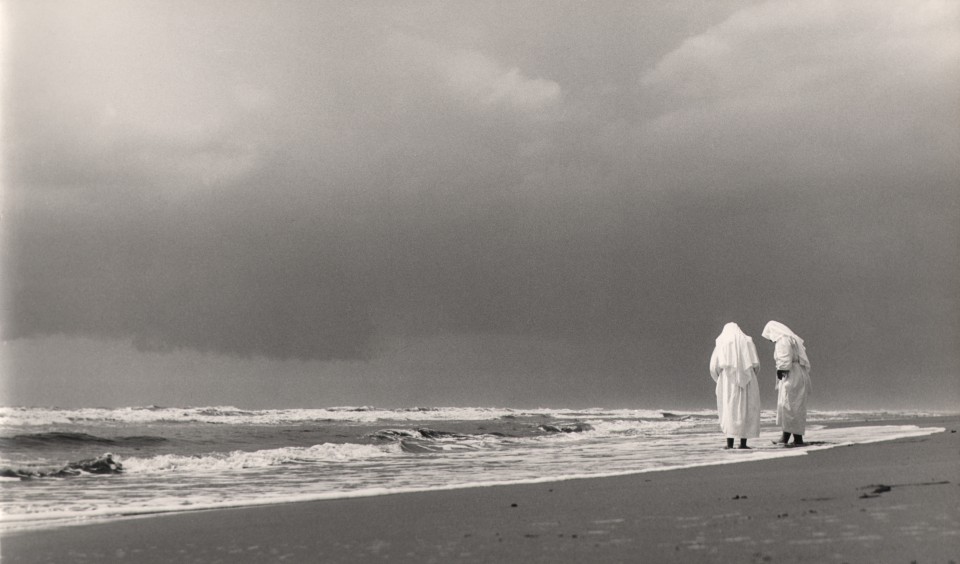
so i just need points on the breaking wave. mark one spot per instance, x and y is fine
(22, 416)
(260, 459)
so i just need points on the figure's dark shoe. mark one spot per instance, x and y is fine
(744, 447)
(779, 443)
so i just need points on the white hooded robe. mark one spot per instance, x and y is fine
(733, 366)
(790, 354)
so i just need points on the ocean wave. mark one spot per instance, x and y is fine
(427, 434)
(242, 460)
(230, 415)
(427, 440)
(60, 438)
(21, 417)
(576, 427)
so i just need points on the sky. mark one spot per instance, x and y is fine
(274, 204)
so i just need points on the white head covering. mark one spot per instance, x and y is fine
(735, 350)
(731, 331)
(774, 331)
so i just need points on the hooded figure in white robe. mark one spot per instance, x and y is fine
(793, 379)
(733, 366)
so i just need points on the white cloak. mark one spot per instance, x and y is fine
(790, 354)
(733, 366)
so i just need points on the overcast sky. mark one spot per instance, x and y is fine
(278, 204)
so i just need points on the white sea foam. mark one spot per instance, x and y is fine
(237, 460)
(18, 416)
(21, 416)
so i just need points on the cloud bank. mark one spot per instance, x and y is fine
(309, 182)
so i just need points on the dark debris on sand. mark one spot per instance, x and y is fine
(100, 465)
(878, 489)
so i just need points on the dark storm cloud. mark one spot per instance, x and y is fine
(301, 181)
(214, 282)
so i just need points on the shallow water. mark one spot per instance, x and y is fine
(178, 459)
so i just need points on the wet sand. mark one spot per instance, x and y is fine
(895, 501)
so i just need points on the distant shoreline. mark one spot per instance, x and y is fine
(828, 504)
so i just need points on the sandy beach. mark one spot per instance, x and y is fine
(896, 501)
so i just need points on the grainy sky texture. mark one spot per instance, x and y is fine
(271, 204)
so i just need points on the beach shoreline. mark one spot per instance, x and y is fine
(892, 501)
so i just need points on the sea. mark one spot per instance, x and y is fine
(65, 467)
